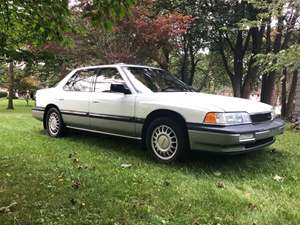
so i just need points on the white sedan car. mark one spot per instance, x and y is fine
(149, 104)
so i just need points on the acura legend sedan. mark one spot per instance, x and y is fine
(149, 104)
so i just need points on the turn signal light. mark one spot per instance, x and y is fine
(211, 118)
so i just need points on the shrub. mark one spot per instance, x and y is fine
(3, 94)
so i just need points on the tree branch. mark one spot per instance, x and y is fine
(228, 41)
(246, 44)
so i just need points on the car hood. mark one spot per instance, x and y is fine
(209, 102)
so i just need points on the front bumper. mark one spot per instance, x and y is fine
(234, 139)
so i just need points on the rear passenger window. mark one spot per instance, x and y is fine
(106, 77)
(81, 81)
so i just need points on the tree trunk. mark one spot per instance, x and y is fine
(183, 68)
(238, 65)
(63, 71)
(193, 63)
(265, 78)
(290, 103)
(249, 81)
(268, 88)
(236, 86)
(11, 81)
(283, 94)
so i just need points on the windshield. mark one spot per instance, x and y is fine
(155, 80)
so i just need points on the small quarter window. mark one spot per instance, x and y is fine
(81, 81)
(106, 77)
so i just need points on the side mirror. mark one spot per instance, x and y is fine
(120, 88)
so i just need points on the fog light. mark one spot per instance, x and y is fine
(246, 137)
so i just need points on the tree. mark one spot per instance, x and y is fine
(191, 43)
(28, 23)
(280, 39)
(35, 22)
(237, 29)
(154, 34)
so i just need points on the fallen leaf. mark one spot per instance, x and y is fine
(278, 178)
(75, 160)
(72, 154)
(126, 165)
(247, 194)
(76, 184)
(217, 173)
(252, 206)
(8, 208)
(220, 184)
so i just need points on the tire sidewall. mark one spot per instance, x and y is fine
(61, 127)
(181, 138)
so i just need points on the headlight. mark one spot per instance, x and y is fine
(233, 118)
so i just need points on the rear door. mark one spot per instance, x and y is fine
(76, 98)
(111, 112)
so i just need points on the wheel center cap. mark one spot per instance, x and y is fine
(163, 142)
(53, 123)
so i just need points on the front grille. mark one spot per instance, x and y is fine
(258, 118)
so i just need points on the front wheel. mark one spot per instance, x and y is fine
(166, 140)
(54, 123)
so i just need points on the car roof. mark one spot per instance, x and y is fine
(116, 65)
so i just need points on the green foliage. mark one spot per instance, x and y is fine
(3, 94)
(286, 58)
(106, 12)
(32, 23)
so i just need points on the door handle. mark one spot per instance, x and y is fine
(59, 99)
(95, 101)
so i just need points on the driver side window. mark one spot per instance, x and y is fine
(81, 81)
(106, 77)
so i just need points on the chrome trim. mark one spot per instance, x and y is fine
(70, 112)
(262, 112)
(263, 132)
(112, 117)
(101, 132)
(130, 119)
(247, 140)
(37, 108)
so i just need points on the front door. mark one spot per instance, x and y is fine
(76, 98)
(111, 112)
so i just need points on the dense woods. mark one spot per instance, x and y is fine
(239, 47)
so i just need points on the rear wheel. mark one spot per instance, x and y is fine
(54, 123)
(166, 140)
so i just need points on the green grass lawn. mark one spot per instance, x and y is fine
(81, 179)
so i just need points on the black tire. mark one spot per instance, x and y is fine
(161, 145)
(59, 129)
